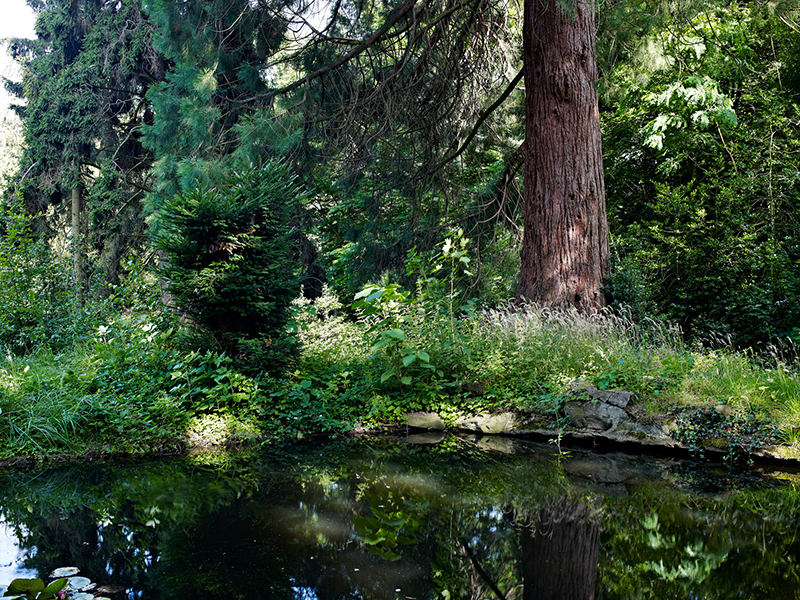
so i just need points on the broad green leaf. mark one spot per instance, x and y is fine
(65, 572)
(76, 583)
(25, 586)
(397, 334)
(51, 590)
(378, 345)
(409, 360)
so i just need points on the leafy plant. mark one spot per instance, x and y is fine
(740, 431)
(34, 589)
(393, 309)
(209, 381)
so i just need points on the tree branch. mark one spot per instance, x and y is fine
(478, 569)
(483, 116)
(371, 40)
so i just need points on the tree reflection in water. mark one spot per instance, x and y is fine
(560, 548)
(384, 520)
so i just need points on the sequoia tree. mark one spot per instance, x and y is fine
(564, 256)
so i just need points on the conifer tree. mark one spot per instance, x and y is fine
(84, 81)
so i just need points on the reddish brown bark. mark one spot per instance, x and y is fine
(565, 243)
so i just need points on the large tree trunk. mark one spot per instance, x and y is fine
(560, 552)
(565, 244)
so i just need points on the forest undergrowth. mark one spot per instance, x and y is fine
(131, 378)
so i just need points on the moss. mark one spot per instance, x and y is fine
(719, 443)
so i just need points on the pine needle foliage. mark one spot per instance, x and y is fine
(229, 263)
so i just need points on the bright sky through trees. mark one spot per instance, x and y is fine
(16, 20)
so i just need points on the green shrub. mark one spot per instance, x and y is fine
(229, 263)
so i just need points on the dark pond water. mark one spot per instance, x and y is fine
(390, 519)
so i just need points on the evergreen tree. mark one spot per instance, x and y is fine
(85, 77)
(228, 260)
(370, 108)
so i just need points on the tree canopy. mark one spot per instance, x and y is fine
(404, 120)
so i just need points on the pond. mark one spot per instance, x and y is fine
(418, 518)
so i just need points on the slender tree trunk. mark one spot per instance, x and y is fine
(560, 552)
(77, 257)
(565, 243)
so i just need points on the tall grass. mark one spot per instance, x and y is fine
(527, 357)
(547, 349)
(38, 416)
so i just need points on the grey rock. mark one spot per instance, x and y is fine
(638, 430)
(597, 416)
(583, 390)
(618, 398)
(425, 420)
(490, 424)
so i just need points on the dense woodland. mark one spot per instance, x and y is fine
(316, 214)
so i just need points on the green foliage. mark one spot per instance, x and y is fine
(84, 80)
(391, 306)
(37, 305)
(34, 589)
(208, 381)
(739, 432)
(228, 261)
(700, 139)
(210, 109)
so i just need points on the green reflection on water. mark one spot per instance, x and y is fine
(382, 518)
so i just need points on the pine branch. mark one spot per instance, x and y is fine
(481, 118)
(366, 44)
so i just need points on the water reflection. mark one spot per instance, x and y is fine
(383, 519)
(560, 546)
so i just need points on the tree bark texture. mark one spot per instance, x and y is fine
(565, 243)
(77, 258)
(559, 556)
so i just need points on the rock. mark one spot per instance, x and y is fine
(597, 416)
(583, 390)
(640, 431)
(725, 411)
(490, 424)
(425, 420)
(580, 388)
(618, 398)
